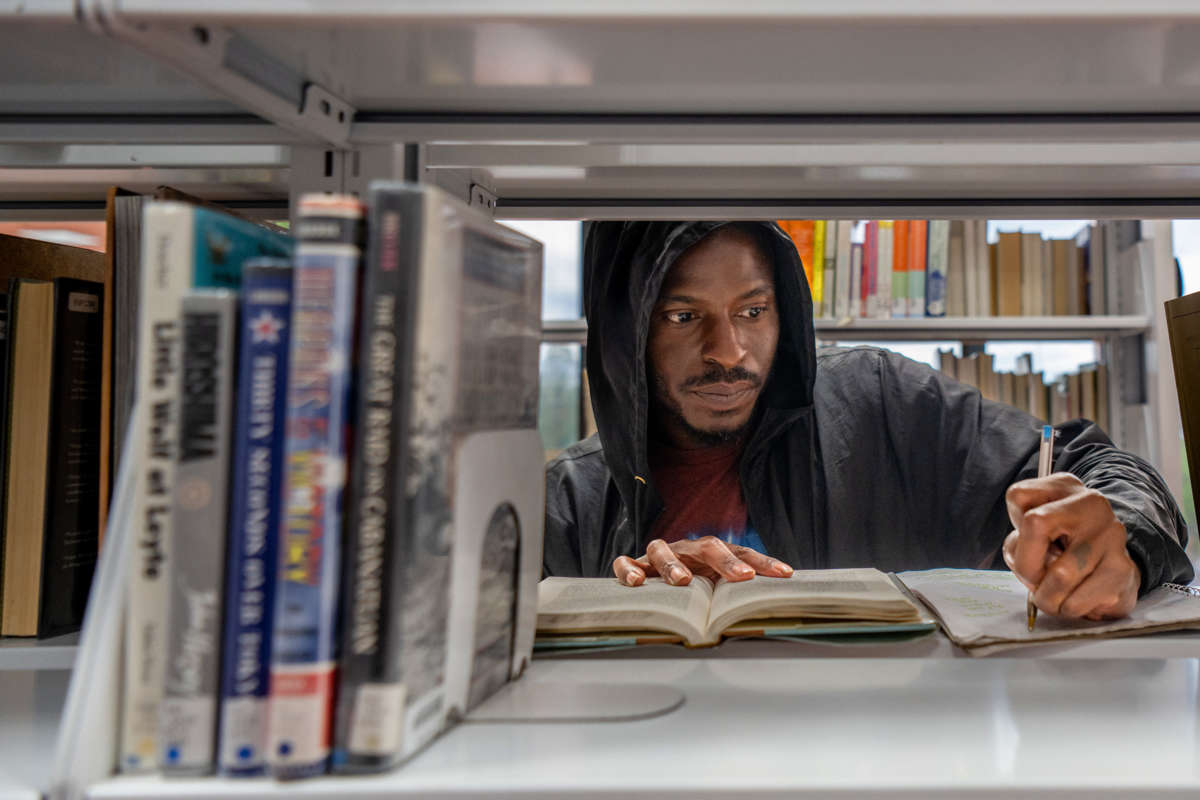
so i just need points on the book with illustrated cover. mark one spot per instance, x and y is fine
(183, 247)
(449, 332)
(983, 611)
(208, 332)
(254, 515)
(320, 404)
(702, 613)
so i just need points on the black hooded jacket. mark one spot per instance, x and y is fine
(857, 457)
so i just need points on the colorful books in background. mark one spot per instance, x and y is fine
(252, 563)
(320, 408)
(52, 474)
(183, 247)
(208, 333)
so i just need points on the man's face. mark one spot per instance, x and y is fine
(713, 334)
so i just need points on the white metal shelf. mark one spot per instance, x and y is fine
(818, 716)
(932, 328)
(38, 654)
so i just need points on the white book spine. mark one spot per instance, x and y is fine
(167, 248)
(842, 281)
(883, 283)
(937, 268)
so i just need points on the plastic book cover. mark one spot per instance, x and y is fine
(319, 415)
(183, 247)
(197, 571)
(464, 310)
(254, 515)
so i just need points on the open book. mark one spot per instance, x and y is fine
(983, 611)
(808, 603)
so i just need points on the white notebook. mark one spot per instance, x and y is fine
(983, 611)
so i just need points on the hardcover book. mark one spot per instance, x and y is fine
(53, 470)
(451, 314)
(254, 514)
(208, 331)
(183, 247)
(320, 407)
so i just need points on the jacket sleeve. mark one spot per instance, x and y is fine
(992, 445)
(1155, 531)
(560, 549)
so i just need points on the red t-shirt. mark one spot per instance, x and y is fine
(701, 493)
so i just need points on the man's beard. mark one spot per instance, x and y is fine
(714, 374)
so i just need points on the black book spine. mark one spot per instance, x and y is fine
(73, 482)
(4, 361)
(368, 724)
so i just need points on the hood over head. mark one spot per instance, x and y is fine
(624, 265)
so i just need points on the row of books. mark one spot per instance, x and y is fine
(937, 268)
(52, 438)
(1083, 394)
(336, 549)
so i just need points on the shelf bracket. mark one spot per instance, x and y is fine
(235, 67)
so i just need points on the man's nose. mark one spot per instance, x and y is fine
(723, 343)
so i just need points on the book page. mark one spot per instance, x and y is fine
(862, 594)
(575, 605)
(986, 609)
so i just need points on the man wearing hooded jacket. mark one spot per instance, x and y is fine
(728, 446)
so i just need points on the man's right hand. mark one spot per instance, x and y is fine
(707, 556)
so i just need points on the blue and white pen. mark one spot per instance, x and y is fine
(1045, 467)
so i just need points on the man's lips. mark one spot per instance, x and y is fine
(724, 396)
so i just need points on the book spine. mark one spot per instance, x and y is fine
(5, 316)
(830, 288)
(319, 405)
(200, 512)
(936, 271)
(984, 270)
(254, 515)
(856, 280)
(883, 269)
(918, 262)
(167, 248)
(870, 294)
(370, 718)
(73, 481)
(901, 233)
(843, 284)
(818, 260)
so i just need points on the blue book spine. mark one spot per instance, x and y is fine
(254, 515)
(319, 404)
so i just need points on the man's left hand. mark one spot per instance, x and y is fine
(1068, 548)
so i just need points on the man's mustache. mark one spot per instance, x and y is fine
(718, 374)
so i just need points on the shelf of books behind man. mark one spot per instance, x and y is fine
(922, 269)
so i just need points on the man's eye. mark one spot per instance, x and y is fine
(680, 316)
(756, 311)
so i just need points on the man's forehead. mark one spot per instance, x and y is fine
(727, 255)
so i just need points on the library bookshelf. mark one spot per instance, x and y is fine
(609, 110)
